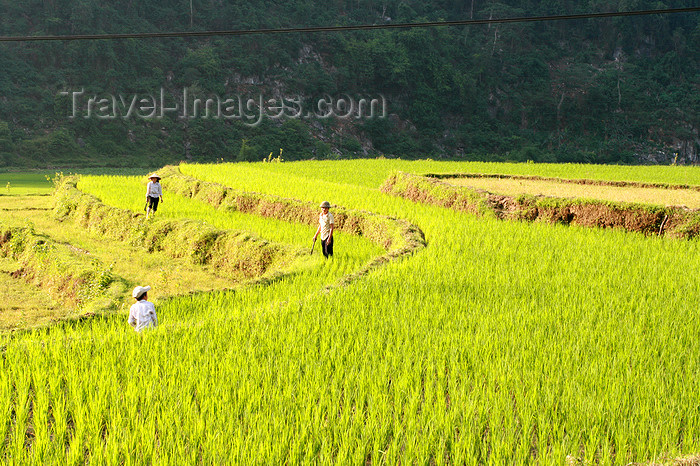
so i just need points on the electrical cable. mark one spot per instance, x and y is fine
(360, 27)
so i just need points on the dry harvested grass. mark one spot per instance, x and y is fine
(513, 187)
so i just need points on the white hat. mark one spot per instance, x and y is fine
(154, 175)
(140, 290)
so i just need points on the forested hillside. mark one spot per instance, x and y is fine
(623, 90)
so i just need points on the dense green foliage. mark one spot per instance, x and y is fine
(606, 90)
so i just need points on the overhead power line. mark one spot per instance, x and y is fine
(360, 27)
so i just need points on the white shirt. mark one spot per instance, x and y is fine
(325, 221)
(154, 189)
(143, 314)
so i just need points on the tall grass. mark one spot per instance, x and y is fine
(500, 343)
(374, 172)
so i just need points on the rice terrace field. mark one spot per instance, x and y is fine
(442, 332)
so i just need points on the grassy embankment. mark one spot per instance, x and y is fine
(664, 197)
(76, 283)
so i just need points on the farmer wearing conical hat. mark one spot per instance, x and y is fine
(325, 228)
(154, 193)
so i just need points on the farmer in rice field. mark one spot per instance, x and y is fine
(325, 228)
(142, 313)
(154, 193)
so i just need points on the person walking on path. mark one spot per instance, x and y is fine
(142, 313)
(154, 193)
(325, 229)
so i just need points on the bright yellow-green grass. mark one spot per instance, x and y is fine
(375, 171)
(499, 343)
(513, 187)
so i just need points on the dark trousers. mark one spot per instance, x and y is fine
(327, 248)
(152, 203)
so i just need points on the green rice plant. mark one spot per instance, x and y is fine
(34, 183)
(6, 401)
(494, 277)
(373, 173)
